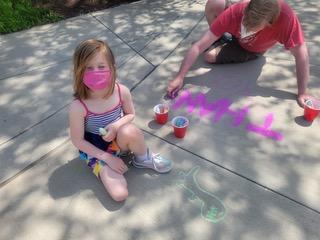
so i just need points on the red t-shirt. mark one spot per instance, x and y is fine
(286, 30)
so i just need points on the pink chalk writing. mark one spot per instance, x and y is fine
(220, 108)
(264, 130)
(238, 115)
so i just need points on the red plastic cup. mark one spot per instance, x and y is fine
(161, 113)
(310, 113)
(311, 110)
(180, 125)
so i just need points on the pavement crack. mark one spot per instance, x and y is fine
(262, 186)
(31, 165)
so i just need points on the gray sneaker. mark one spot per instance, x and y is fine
(155, 162)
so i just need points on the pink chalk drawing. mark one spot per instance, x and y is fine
(238, 116)
(220, 108)
(264, 130)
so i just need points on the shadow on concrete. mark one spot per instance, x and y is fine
(235, 81)
(154, 125)
(302, 122)
(74, 177)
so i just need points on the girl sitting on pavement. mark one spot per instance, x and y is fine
(101, 103)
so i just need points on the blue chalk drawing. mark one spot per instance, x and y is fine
(212, 208)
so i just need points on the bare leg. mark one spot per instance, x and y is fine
(211, 55)
(114, 183)
(213, 9)
(129, 137)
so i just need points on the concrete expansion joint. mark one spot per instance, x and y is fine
(125, 42)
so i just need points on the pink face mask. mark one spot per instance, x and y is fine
(97, 80)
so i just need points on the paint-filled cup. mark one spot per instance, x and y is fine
(311, 109)
(180, 125)
(161, 113)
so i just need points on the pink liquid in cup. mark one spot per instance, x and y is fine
(311, 110)
(161, 113)
(180, 125)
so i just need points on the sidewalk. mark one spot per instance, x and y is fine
(228, 182)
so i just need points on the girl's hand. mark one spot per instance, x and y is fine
(111, 133)
(116, 164)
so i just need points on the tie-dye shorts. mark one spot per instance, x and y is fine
(95, 164)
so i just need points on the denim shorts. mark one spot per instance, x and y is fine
(232, 52)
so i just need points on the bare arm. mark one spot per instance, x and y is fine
(301, 56)
(127, 106)
(76, 124)
(196, 49)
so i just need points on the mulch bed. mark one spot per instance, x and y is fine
(72, 8)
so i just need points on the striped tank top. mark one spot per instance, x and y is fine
(94, 121)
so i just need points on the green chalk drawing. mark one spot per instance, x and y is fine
(212, 208)
(212, 213)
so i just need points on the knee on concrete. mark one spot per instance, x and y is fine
(119, 194)
(210, 57)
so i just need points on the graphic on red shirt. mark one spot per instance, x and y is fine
(286, 30)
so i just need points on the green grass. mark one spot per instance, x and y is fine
(23, 16)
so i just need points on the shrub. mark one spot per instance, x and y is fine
(16, 15)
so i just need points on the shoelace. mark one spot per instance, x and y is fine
(156, 156)
(155, 159)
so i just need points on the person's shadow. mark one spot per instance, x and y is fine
(75, 176)
(234, 81)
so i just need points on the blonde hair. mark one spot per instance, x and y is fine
(84, 53)
(258, 11)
